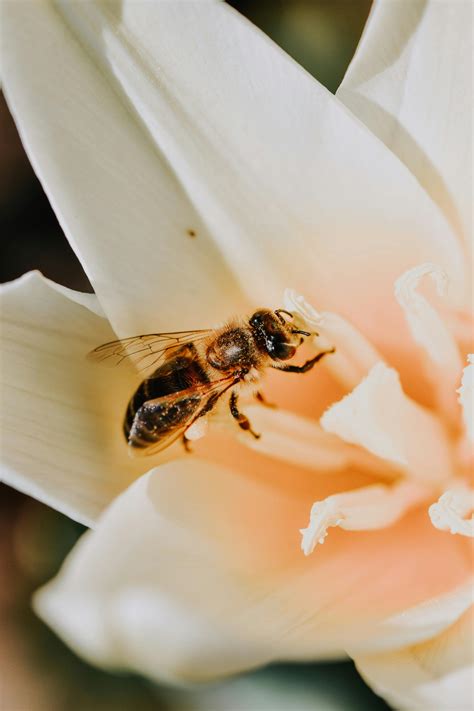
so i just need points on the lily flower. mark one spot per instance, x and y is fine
(199, 172)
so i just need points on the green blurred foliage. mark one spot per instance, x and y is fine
(321, 35)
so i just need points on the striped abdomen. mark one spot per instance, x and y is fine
(146, 425)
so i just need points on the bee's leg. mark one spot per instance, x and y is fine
(242, 420)
(306, 366)
(261, 398)
(186, 445)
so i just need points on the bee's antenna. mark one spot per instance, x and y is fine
(278, 313)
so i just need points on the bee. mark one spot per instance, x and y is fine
(191, 370)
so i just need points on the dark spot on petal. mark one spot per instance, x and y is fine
(191, 233)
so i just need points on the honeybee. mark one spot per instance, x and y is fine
(191, 370)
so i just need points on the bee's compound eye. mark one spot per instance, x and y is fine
(258, 319)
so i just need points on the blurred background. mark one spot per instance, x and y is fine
(37, 672)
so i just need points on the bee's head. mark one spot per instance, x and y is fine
(275, 335)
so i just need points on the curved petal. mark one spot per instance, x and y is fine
(183, 115)
(410, 83)
(90, 301)
(196, 572)
(421, 622)
(60, 432)
(434, 675)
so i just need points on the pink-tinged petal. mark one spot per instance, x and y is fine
(378, 416)
(301, 441)
(461, 324)
(410, 83)
(148, 119)
(355, 354)
(195, 572)
(431, 676)
(421, 622)
(61, 415)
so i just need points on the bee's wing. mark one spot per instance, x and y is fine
(144, 352)
(181, 409)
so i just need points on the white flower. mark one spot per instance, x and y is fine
(149, 122)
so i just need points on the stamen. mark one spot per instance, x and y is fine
(369, 508)
(466, 396)
(427, 328)
(354, 355)
(450, 512)
(380, 417)
(430, 332)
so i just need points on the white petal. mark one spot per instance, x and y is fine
(168, 116)
(90, 301)
(61, 416)
(195, 572)
(410, 83)
(365, 509)
(431, 676)
(379, 416)
(173, 604)
(452, 510)
(116, 197)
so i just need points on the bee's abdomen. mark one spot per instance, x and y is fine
(172, 377)
(158, 419)
(133, 406)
